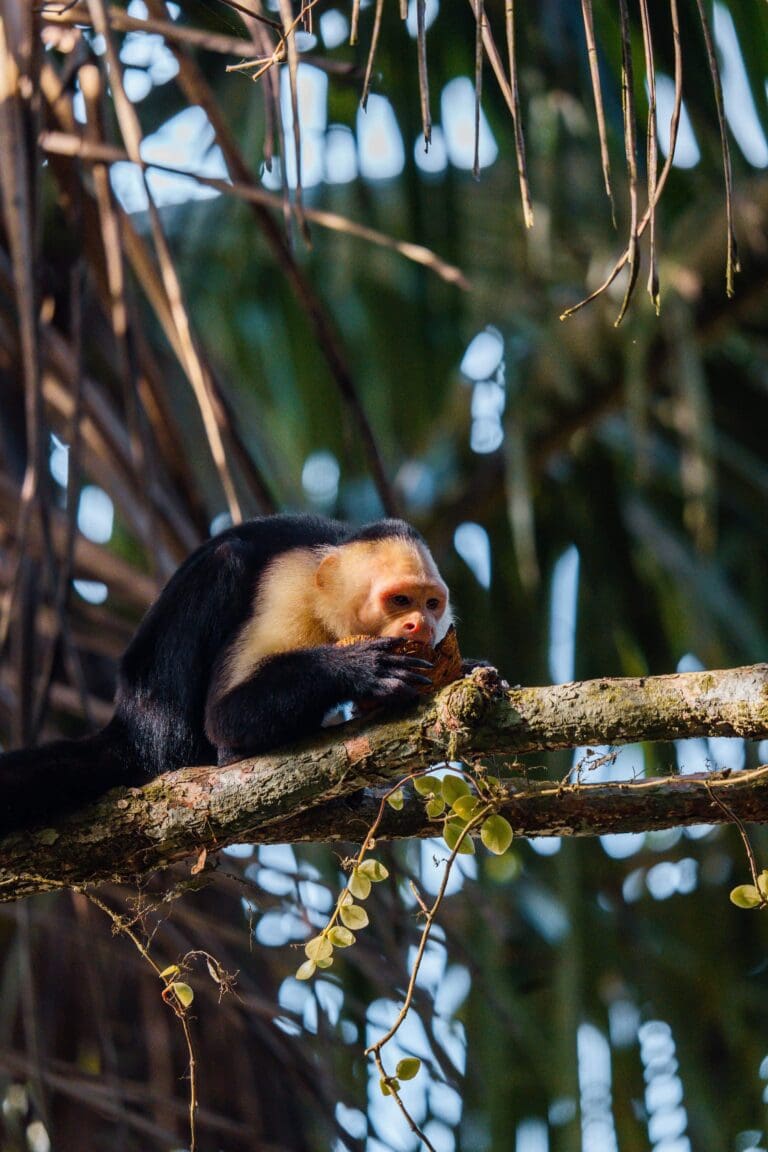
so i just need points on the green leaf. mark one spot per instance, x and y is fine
(745, 896)
(762, 882)
(426, 785)
(353, 916)
(387, 1085)
(408, 1068)
(359, 885)
(434, 807)
(396, 800)
(374, 870)
(452, 787)
(318, 948)
(451, 832)
(306, 970)
(183, 993)
(496, 834)
(503, 869)
(170, 972)
(465, 806)
(325, 962)
(341, 937)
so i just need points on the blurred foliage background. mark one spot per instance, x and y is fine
(595, 497)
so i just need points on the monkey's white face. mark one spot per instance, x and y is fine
(382, 588)
(407, 606)
(393, 588)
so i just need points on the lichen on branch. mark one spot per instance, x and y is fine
(316, 791)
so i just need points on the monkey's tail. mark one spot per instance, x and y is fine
(39, 784)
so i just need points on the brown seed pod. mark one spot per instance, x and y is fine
(445, 658)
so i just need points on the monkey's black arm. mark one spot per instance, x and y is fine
(287, 695)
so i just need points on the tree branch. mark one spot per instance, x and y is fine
(312, 792)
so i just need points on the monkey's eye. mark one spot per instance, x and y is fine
(400, 601)
(433, 604)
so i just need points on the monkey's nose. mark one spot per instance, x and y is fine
(417, 630)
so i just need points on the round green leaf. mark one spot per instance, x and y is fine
(387, 1085)
(396, 800)
(496, 834)
(745, 896)
(451, 832)
(359, 885)
(374, 870)
(170, 972)
(306, 970)
(325, 962)
(435, 807)
(465, 806)
(353, 916)
(503, 869)
(318, 948)
(454, 786)
(341, 937)
(408, 1068)
(426, 785)
(183, 993)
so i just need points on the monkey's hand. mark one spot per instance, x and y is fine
(287, 694)
(379, 671)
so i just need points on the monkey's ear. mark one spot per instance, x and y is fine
(327, 570)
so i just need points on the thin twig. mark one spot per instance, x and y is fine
(479, 8)
(122, 927)
(67, 144)
(399, 1102)
(131, 131)
(630, 148)
(652, 153)
(731, 815)
(732, 259)
(372, 53)
(674, 121)
(429, 919)
(355, 22)
(289, 28)
(63, 586)
(197, 91)
(421, 52)
(674, 125)
(517, 120)
(170, 31)
(597, 93)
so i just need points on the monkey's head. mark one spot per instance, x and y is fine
(383, 582)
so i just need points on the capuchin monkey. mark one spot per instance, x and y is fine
(237, 656)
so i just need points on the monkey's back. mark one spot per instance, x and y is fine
(165, 672)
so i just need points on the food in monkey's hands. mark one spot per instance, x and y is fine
(444, 658)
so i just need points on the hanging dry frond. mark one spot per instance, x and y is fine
(517, 120)
(651, 154)
(597, 92)
(371, 52)
(732, 257)
(421, 48)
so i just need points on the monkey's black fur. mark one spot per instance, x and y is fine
(163, 715)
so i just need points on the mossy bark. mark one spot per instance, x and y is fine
(313, 791)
